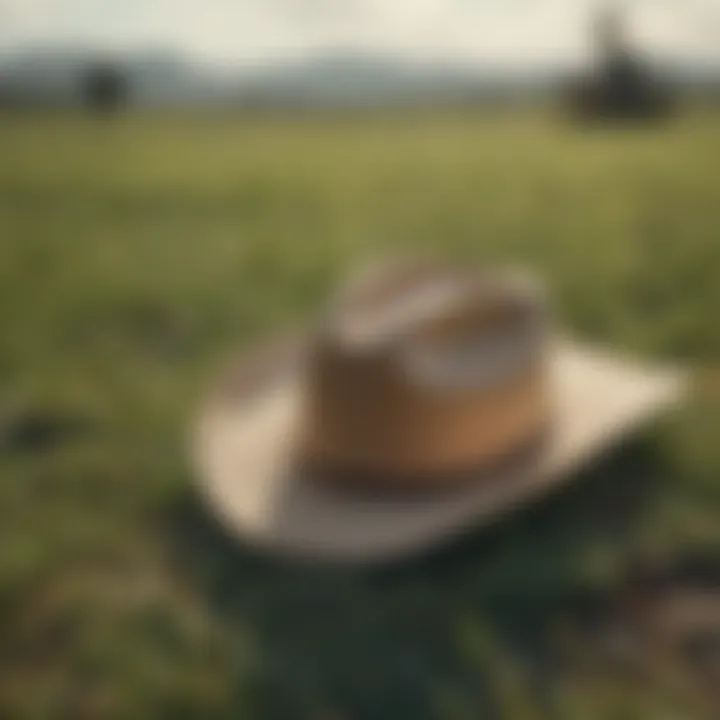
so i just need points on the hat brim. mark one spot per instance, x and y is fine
(244, 455)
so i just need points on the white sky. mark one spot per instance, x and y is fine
(246, 30)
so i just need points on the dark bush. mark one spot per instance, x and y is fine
(105, 89)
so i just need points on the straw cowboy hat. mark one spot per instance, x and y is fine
(427, 401)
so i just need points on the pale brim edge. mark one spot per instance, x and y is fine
(662, 387)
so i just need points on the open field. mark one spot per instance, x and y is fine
(135, 253)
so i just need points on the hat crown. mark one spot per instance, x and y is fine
(422, 373)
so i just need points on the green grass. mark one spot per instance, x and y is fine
(134, 254)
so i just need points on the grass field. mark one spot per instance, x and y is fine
(134, 254)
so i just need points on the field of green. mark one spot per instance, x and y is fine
(134, 254)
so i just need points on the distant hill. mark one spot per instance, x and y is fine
(53, 75)
(354, 80)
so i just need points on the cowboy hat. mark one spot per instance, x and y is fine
(427, 401)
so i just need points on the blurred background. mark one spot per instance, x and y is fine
(322, 55)
(179, 178)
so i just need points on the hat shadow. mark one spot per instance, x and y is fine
(435, 637)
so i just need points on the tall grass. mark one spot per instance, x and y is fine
(134, 252)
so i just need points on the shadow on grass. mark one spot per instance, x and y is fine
(467, 632)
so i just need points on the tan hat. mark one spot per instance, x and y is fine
(428, 401)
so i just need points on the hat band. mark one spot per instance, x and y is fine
(368, 484)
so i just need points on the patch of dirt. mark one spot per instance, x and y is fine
(37, 428)
(662, 622)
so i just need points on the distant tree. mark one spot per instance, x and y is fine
(621, 87)
(105, 89)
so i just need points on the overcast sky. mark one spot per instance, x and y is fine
(247, 30)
